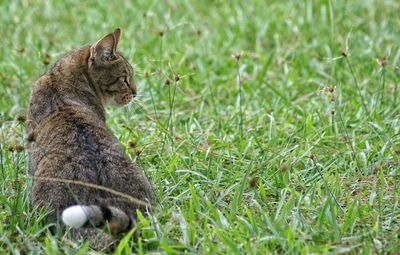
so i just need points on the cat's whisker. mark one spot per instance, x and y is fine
(142, 95)
(130, 106)
(137, 103)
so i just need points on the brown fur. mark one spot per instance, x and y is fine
(71, 140)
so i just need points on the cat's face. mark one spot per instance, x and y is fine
(110, 72)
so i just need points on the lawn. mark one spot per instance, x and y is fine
(266, 127)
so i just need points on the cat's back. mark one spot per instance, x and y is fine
(60, 121)
(53, 87)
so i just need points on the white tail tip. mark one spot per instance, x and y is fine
(74, 216)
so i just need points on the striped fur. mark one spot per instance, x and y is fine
(74, 158)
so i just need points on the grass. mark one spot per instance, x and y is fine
(265, 126)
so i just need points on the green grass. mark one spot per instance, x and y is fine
(265, 126)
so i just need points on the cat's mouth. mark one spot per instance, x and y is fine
(122, 100)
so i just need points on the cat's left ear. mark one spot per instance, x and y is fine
(106, 46)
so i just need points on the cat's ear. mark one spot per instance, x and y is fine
(117, 35)
(106, 47)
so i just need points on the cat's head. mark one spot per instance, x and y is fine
(110, 72)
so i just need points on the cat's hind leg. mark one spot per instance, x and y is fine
(99, 240)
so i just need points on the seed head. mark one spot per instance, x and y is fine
(253, 182)
(46, 59)
(382, 61)
(138, 152)
(19, 147)
(331, 89)
(376, 167)
(11, 147)
(30, 137)
(237, 55)
(284, 167)
(21, 118)
(132, 144)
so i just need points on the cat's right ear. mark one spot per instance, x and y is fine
(105, 48)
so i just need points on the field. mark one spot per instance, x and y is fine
(266, 127)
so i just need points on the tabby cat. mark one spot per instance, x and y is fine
(77, 164)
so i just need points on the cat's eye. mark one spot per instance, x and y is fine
(126, 81)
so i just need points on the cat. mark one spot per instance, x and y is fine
(79, 169)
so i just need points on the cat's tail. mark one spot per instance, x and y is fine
(78, 216)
